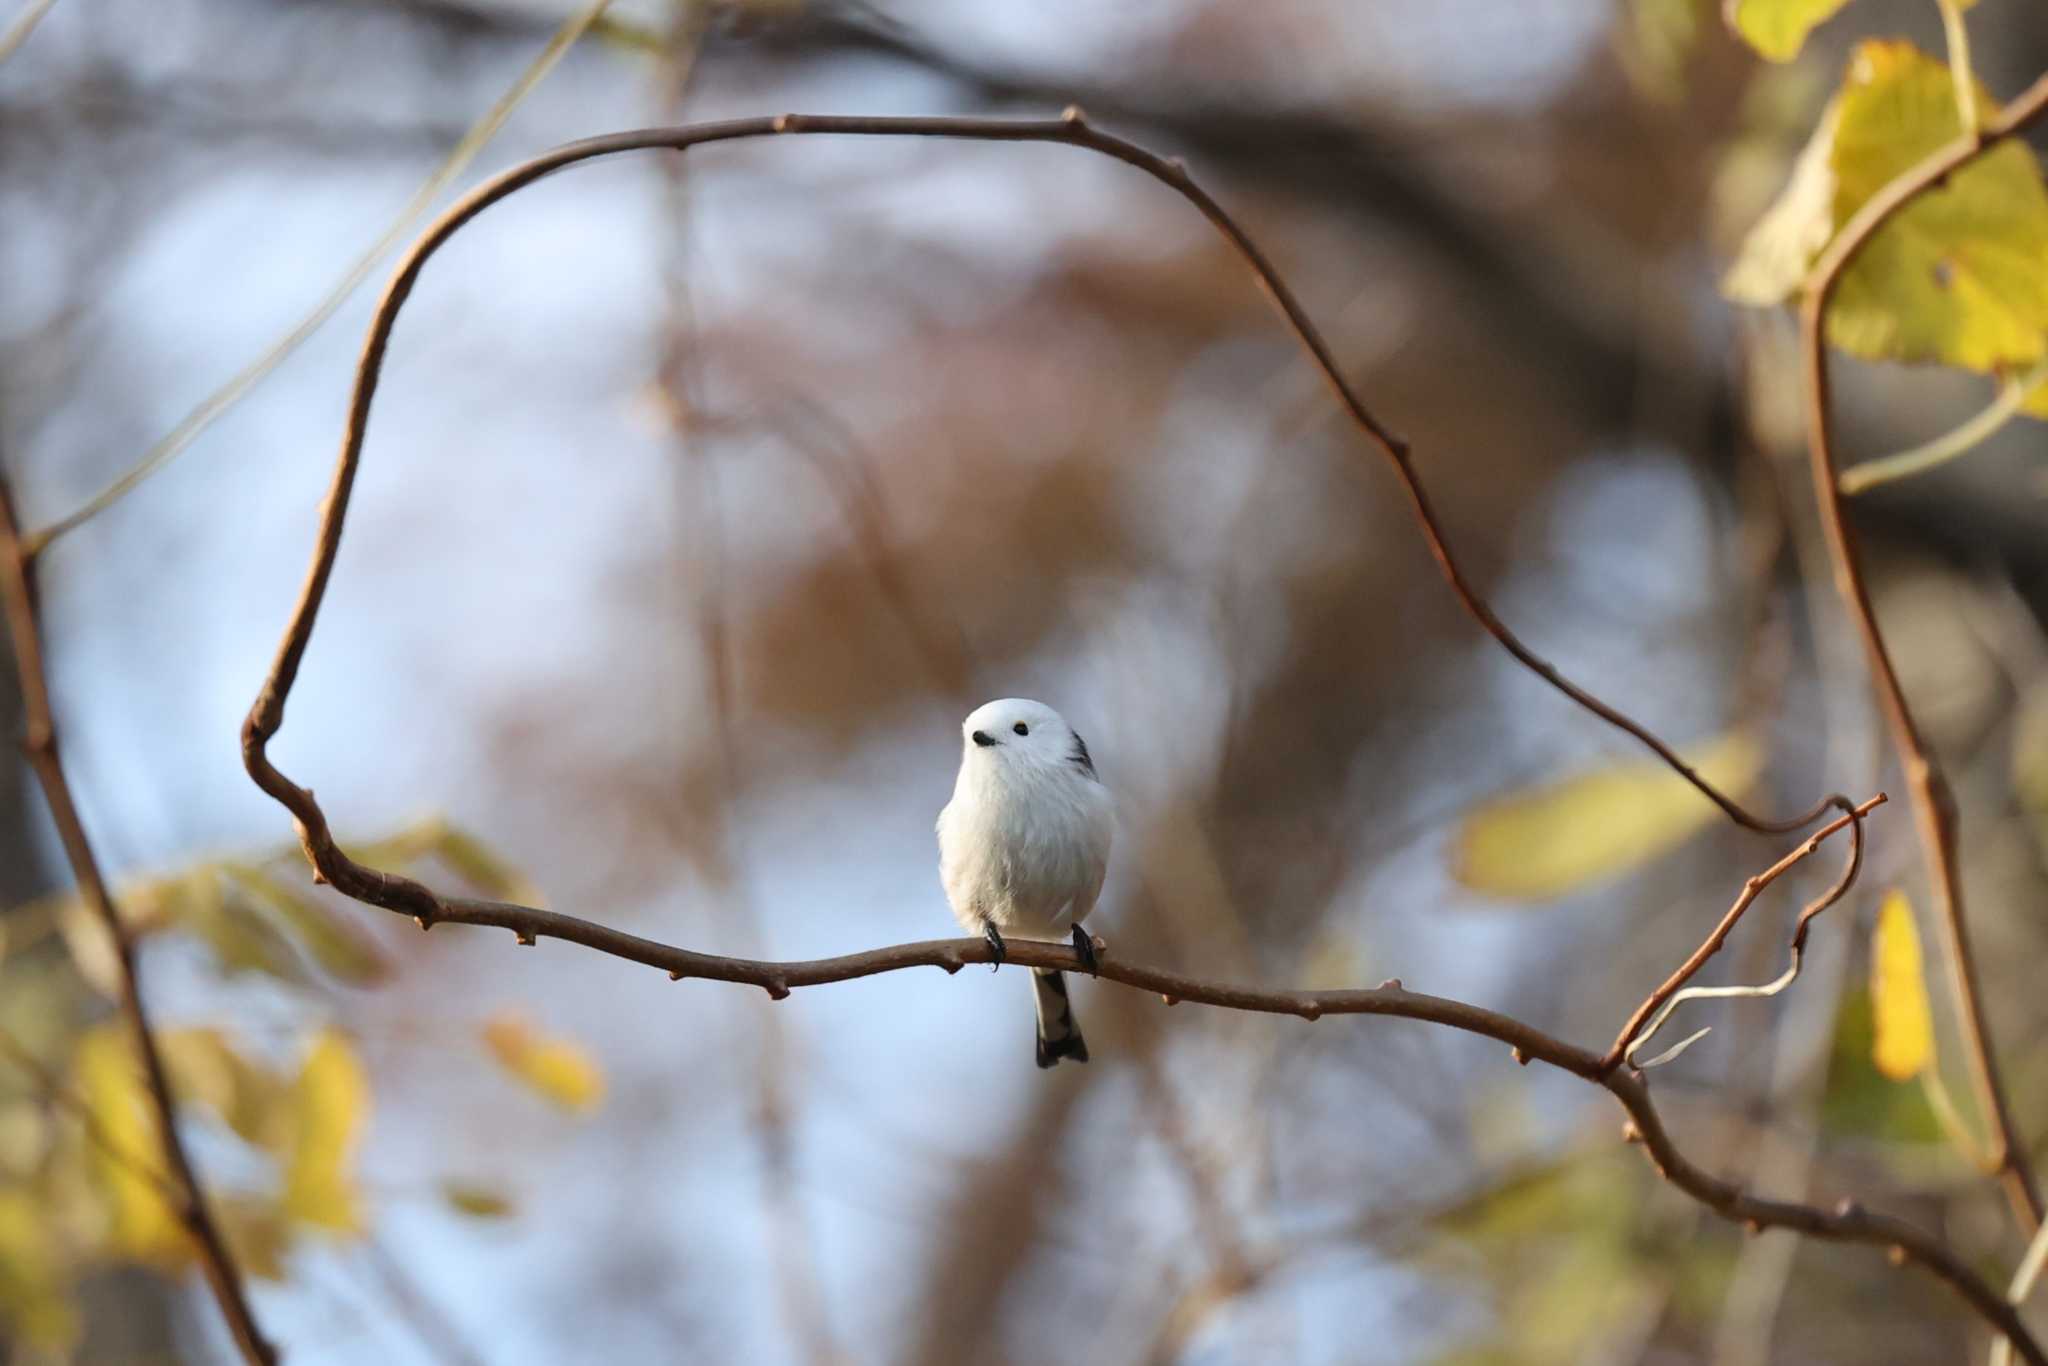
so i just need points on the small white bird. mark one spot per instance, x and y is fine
(1024, 844)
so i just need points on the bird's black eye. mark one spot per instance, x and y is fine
(1021, 728)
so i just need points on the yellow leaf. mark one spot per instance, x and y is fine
(258, 1233)
(2036, 403)
(206, 1068)
(126, 1150)
(478, 1202)
(330, 1102)
(1547, 841)
(1778, 28)
(1903, 1042)
(91, 947)
(1955, 276)
(1778, 251)
(559, 1070)
(34, 1306)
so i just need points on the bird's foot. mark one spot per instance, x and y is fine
(1084, 949)
(997, 950)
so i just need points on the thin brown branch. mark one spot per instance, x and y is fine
(1848, 1222)
(1751, 890)
(59, 1095)
(1071, 130)
(18, 588)
(1933, 803)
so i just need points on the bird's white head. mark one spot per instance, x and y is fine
(1015, 731)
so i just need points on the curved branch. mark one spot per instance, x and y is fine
(1634, 1034)
(1951, 445)
(1071, 130)
(1848, 1222)
(1933, 803)
(190, 1205)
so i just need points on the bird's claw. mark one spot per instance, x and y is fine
(996, 948)
(1084, 949)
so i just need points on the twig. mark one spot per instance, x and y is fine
(1667, 996)
(2012, 396)
(1956, 33)
(24, 24)
(217, 403)
(2022, 1286)
(18, 588)
(1071, 130)
(1933, 803)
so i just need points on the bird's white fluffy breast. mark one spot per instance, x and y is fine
(1025, 848)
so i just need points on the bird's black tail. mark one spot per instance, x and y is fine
(1058, 1035)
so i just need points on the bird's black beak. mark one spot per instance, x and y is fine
(983, 738)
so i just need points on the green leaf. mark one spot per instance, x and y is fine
(398, 853)
(2030, 754)
(483, 868)
(1859, 1100)
(330, 1104)
(1655, 41)
(463, 853)
(333, 941)
(1777, 28)
(478, 1202)
(1547, 841)
(1902, 1043)
(243, 939)
(1957, 275)
(554, 1068)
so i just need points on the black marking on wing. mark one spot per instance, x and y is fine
(1080, 756)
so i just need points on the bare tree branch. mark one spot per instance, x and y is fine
(222, 1275)
(1071, 129)
(1933, 802)
(1847, 1223)
(1751, 890)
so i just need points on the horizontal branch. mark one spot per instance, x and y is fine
(1847, 1222)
